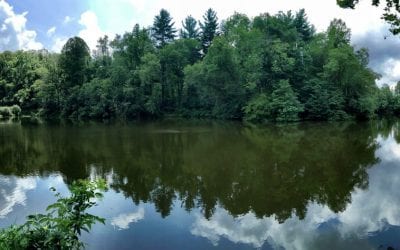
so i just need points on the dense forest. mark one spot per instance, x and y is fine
(270, 68)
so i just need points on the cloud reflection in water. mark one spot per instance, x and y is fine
(13, 192)
(371, 211)
(122, 221)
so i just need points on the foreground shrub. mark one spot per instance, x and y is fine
(61, 227)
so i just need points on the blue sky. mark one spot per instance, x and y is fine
(44, 14)
(35, 24)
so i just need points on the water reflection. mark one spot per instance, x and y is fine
(370, 212)
(122, 221)
(297, 186)
(13, 192)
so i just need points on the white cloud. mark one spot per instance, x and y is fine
(13, 33)
(50, 32)
(67, 19)
(122, 221)
(91, 32)
(58, 44)
(390, 71)
(13, 192)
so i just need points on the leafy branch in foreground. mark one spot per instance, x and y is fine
(61, 227)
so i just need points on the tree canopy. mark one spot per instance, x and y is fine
(270, 68)
(163, 28)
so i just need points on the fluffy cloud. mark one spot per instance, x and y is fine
(13, 32)
(58, 44)
(91, 32)
(384, 50)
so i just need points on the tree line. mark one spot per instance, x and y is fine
(270, 68)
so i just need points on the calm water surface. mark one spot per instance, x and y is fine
(200, 185)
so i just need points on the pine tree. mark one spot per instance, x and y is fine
(304, 28)
(208, 29)
(163, 28)
(190, 29)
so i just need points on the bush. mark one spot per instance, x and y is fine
(15, 110)
(5, 112)
(61, 227)
(258, 109)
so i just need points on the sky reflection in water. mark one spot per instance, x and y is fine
(214, 185)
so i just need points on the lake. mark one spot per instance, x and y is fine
(214, 185)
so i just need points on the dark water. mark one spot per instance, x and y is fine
(214, 185)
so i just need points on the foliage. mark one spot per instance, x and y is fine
(266, 68)
(190, 29)
(258, 109)
(61, 227)
(163, 30)
(6, 112)
(209, 29)
(74, 61)
(285, 106)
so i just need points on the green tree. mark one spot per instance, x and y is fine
(386, 101)
(190, 29)
(258, 109)
(163, 28)
(103, 46)
(222, 77)
(338, 33)
(130, 48)
(285, 107)
(74, 61)
(149, 74)
(175, 57)
(209, 29)
(304, 28)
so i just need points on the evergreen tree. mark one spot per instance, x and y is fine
(304, 28)
(190, 29)
(208, 29)
(163, 28)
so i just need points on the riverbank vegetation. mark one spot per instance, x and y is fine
(263, 69)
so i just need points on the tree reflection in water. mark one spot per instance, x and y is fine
(269, 171)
